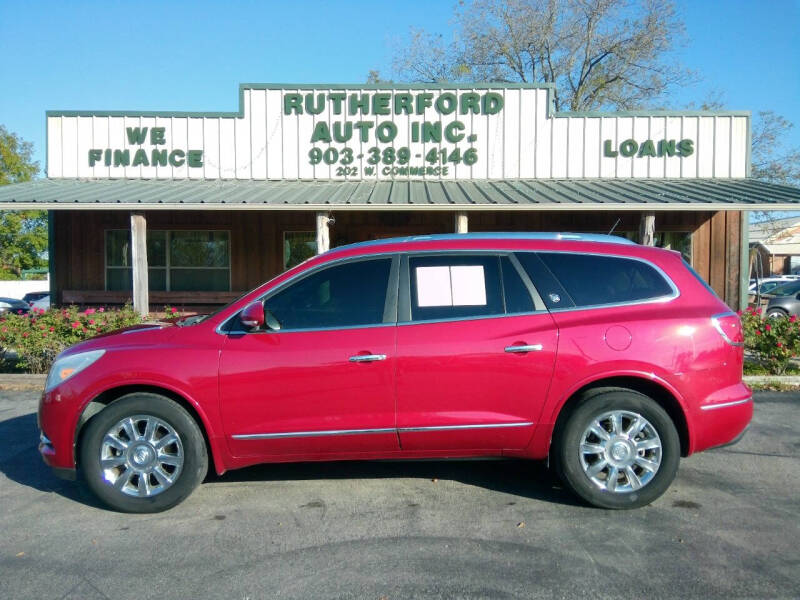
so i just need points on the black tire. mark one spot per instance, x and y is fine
(167, 418)
(777, 313)
(568, 459)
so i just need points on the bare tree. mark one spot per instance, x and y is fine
(771, 158)
(598, 53)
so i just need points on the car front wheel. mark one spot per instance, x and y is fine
(618, 449)
(143, 453)
(776, 313)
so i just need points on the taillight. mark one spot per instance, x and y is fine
(729, 327)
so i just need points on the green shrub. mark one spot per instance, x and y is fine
(773, 342)
(40, 335)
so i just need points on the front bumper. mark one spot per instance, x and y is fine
(48, 452)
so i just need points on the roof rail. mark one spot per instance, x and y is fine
(500, 235)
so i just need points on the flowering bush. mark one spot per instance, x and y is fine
(38, 337)
(774, 342)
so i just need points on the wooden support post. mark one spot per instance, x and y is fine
(647, 229)
(51, 257)
(141, 298)
(323, 232)
(462, 222)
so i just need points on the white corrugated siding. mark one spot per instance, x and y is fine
(520, 142)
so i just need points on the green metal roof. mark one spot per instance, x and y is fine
(526, 194)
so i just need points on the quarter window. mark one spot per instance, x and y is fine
(348, 295)
(594, 279)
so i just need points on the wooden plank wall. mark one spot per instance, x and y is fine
(257, 237)
(716, 252)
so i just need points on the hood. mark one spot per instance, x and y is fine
(143, 334)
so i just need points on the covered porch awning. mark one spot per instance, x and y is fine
(506, 195)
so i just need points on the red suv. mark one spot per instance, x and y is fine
(609, 359)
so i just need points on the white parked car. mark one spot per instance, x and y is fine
(42, 303)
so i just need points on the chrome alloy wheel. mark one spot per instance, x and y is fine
(620, 451)
(141, 456)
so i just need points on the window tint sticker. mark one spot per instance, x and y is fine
(469, 285)
(451, 286)
(433, 286)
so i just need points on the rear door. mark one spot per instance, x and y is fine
(475, 352)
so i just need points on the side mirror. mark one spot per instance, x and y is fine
(252, 316)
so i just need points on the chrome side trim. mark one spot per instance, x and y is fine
(718, 327)
(301, 434)
(457, 427)
(726, 404)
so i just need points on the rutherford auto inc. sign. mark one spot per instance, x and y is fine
(395, 133)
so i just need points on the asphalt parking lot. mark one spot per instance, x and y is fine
(729, 527)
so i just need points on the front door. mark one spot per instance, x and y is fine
(476, 350)
(324, 381)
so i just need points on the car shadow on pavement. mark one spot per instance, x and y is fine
(523, 478)
(21, 463)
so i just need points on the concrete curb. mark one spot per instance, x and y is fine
(772, 379)
(22, 382)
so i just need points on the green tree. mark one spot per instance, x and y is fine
(16, 158)
(23, 241)
(23, 234)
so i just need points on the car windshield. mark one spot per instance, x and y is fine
(195, 319)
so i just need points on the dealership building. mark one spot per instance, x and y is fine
(191, 209)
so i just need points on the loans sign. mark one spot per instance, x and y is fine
(395, 133)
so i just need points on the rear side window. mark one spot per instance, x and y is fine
(447, 287)
(592, 279)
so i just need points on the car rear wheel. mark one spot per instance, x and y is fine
(617, 449)
(143, 453)
(777, 313)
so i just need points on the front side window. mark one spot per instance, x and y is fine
(348, 295)
(176, 260)
(592, 279)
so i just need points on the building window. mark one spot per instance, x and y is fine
(297, 247)
(671, 240)
(176, 260)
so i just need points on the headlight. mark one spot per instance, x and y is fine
(66, 367)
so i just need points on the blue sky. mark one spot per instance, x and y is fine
(192, 55)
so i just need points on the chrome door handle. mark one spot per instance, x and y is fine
(367, 357)
(526, 348)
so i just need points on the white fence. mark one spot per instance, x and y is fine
(17, 289)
